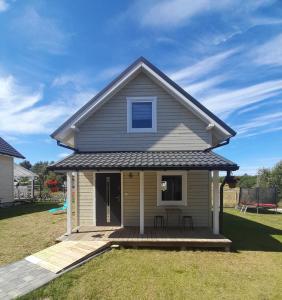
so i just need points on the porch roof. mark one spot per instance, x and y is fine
(145, 160)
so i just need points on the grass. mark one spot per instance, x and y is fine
(253, 270)
(26, 229)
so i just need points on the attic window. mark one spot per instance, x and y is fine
(141, 114)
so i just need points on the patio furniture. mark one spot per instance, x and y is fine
(159, 221)
(171, 211)
(187, 221)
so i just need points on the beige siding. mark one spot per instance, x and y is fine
(85, 197)
(177, 127)
(6, 179)
(131, 198)
(198, 199)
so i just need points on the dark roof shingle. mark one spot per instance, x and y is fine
(145, 160)
(7, 149)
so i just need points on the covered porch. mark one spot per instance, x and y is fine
(146, 185)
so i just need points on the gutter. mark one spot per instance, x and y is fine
(66, 146)
(224, 143)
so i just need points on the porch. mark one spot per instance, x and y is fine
(132, 189)
(200, 237)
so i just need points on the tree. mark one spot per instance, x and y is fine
(40, 168)
(247, 181)
(272, 178)
(26, 164)
(264, 178)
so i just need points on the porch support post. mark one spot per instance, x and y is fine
(215, 183)
(69, 208)
(141, 175)
(76, 200)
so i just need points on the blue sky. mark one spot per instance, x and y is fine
(55, 55)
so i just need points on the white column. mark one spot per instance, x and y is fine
(121, 198)
(141, 175)
(77, 220)
(69, 208)
(216, 202)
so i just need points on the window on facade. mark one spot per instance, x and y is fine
(141, 114)
(172, 188)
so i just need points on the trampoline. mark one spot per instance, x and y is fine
(258, 198)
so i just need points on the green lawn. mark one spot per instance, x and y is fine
(253, 270)
(26, 229)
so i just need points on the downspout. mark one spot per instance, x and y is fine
(226, 142)
(66, 146)
(221, 203)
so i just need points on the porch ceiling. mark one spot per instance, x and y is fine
(146, 160)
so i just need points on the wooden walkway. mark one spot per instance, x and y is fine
(153, 237)
(66, 254)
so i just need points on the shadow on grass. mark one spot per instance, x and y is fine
(250, 235)
(24, 209)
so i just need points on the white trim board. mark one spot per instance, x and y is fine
(183, 202)
(131, 100)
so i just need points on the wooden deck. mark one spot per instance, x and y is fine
(66, 254)
(152, 237)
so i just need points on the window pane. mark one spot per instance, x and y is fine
(174, 188)
(142, 115)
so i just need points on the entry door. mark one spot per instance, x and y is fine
(108, 200)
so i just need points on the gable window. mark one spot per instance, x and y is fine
(172, 188)
(141, 114)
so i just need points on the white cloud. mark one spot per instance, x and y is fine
(78, 80)
(63, 154)
(167, 14)
(205, 66)
(199, 88)
(42, 33)
(22, 110)
(269, 130)
(226, 102)
(3, 5)
(261, 121)
(109, 73)
(269, 53)
(14, 97)
(176, 12)
(257, 106)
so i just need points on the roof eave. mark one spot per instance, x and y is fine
(13, 155)
(155, 168)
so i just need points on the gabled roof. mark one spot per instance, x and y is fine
(146, 160)
(20, 171)
(142, 63)
(7, 149)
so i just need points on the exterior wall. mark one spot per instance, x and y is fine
(6, 178)
(85, 198)
(198, 199)
(177, 127)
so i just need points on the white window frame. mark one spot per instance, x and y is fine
(183, 202)
(131, 100)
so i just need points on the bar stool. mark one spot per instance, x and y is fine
(159, 221)
(187, 220)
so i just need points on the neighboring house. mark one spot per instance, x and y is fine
(7, 154)
(26, 190)
(141, 146)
